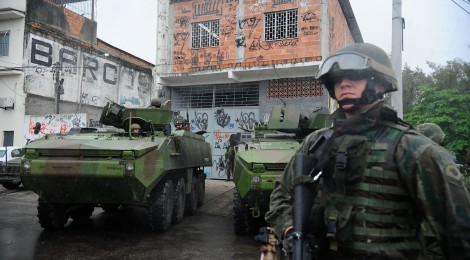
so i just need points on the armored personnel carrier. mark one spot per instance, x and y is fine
(141, 163)
(261, 157)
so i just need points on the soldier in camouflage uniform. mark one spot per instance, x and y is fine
(230, 156)
(380, 178)
(431, 131)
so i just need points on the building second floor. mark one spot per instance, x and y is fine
(246, 40)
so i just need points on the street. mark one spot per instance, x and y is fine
(124, 234)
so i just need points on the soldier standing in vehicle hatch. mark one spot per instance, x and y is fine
(379, 178)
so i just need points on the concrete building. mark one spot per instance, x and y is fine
(12, 97)
(54, 70)
(225, 63)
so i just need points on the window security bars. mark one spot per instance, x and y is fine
(232, 95)
(280, 25)
(4, 43)
(205, 34)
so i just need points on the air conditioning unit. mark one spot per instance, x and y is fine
(6, 102)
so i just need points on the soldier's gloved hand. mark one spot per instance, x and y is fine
(288, 241)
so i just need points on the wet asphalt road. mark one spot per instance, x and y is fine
(124, 234)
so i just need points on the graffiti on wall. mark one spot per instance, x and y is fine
(259, 5)
(221, 118)
(281, 2)
(87, 78)
(245, 32)
(200, 120)
(208, 7)
(246, 121)
(53, 124)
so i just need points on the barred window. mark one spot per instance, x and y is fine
(280, 25)
(205, 34)
(4, 43)
(231, 95)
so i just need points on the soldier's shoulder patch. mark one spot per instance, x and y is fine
(453, 173)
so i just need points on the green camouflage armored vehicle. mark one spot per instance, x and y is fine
(261, 157)
(141, 163)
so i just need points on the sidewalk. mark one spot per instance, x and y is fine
(219, 198)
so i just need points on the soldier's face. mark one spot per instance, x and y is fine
(348, 88)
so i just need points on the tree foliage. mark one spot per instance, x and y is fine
(456, 74)
(412, 79)
(441, 97)
(450, 109)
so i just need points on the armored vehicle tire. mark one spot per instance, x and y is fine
(82, 213)
(201, 189)
(240, 215)
(179, 201)
(11, 185)
(243, 222)
(191, 198)
(161, 207)
(51, 216)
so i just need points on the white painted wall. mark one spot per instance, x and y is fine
(11, 84)
(19, 5)
(53, 124)
(219, 123)
(90, 78)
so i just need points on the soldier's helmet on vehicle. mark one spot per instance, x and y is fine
(360, 60)
(431, 131)
(135, 129)
(180, 124)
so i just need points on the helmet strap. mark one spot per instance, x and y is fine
(368, 96)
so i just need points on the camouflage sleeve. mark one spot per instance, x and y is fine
(280, 214)
(439, 190)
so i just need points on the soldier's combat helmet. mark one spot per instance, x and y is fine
(359, 61)
(431, 131)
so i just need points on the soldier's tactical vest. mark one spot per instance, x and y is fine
(366, 207)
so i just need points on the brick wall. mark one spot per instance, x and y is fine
(46, 13)
(241, 42)
(340, 35)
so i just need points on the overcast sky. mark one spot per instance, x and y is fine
(435, 30)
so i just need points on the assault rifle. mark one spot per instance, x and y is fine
(299, 244)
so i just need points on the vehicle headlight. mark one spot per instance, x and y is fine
(255, 179)
(26, 165)
(129, 166)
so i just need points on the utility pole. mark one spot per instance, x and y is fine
(398, 24)
(58, 86)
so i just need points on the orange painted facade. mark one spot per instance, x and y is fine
(241, 34)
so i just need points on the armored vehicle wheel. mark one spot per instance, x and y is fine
(179, 202)
(51, 216)
(201, 189)
(240, 215)
(11, 185)
(81, 213)
(191, 198)
(161, 207)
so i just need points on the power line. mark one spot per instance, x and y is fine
(16, 93)
(461, 7)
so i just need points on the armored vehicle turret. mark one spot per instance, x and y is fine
(261, 157)
(140, 163)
